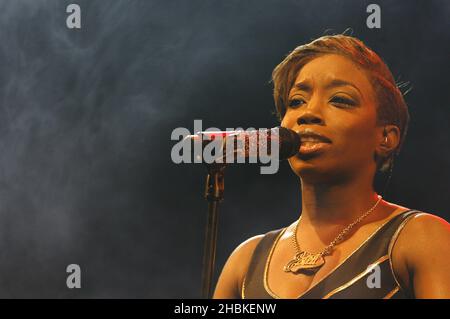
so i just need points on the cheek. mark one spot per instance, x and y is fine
(288, 120)
(358, 138)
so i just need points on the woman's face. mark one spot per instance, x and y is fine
(331, 96)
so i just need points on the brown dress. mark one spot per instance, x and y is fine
(349, 279)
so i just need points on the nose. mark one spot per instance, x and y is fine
(309, 118)
(311, 114)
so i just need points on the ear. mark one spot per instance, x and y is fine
(388, 140)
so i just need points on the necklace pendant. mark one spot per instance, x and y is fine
(304, 261)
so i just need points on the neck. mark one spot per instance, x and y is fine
(336, 203)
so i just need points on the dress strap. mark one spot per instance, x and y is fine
(253, 284)
(348, 279)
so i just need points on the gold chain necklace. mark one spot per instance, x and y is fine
(309, 262)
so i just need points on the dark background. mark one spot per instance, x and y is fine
(86, 117)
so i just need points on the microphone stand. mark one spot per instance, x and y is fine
(214, 190)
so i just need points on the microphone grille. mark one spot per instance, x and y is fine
(289, 142)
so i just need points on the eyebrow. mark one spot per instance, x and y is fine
(334, 83)
(337, 82)
(303, 86)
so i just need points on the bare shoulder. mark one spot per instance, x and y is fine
(233, 273)
(420, 255)
(248, 246)
(425, 229)
(422, 232)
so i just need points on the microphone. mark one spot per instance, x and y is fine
(277, 142)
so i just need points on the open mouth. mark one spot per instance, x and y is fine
(308, 147)
(309, 136)
(312, 142)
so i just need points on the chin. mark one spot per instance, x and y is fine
(319, 172)
(307, 169)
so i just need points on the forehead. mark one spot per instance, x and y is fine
(331, 67)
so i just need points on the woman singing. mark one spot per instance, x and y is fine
(347, 242)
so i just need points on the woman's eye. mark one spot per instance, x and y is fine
(296, 103)
(342, 101)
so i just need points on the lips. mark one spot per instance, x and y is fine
(309, 135)
(312, 142)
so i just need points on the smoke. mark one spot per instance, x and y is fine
(86, 117)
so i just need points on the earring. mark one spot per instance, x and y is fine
(385, 135)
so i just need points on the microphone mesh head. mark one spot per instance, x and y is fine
(289, 142)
